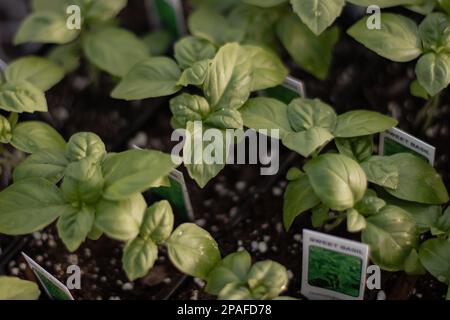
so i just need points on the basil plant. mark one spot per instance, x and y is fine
(223, 79)
(400, 39)
(12, 288)
(108, 47)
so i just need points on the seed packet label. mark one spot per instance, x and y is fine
(333, 268)
(291, 89)
(52, 286)
(169, 14)
(177, 194)
(395, 141)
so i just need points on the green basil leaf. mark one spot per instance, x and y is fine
(397, 40)
(35, 136)
(445, 4)
(30, 205)
(418, 91)
(134, 171)
(361, 123)
(413, 266)
(443, 223)
(268, 70)
(338, 181)
(307, 142)
(418, 181)
(5, 130)
(435, 256)
(154, 77)
(40, 72)
(391, 235)
(312, 53)
(45, 27)
(433, 72)
(66, 56)
(235, 291)
(193, 251)
(370, 204)
(59, 6)
(158, 222)
(318, 15)
(319, 216)
(305, 114)
(186, 107)
(294, 174)
(384, 3)
(190, 50)
(267, 279)
(195, 75)
(22, 97)
(121, 220)
(74, 227)
(114, 50)
(425, 7)
(16, 289)
(85, 145)
(265, 3)
(434, 31)
(225, 119)
(358, 148)
(381, 171)
(232, 269)
(138, 258)
(103, 10)
(355, 221)
(47, 164)
(298, 198)
(264, 113)
(229, 79)
(158, 42)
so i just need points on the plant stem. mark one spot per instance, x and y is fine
(427, 114)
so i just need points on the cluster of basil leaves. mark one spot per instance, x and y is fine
(12, 288)
(406, 199)
(225, 77)
(105, 45)
(401, 39)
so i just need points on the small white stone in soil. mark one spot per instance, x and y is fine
(381, 295)
(72, 258)
(37, 235)
(119, 282)
(419, 295)
(235, 199)
(114, 298)
(87, 252)
(15, 271)
(254, 245)
(12, 263)
(194, 295)
(264, 226)
(48, 263)
(262, 247)
(290, 274)
(274, 248)
(199, 282)
(201, 222)
(241, 185)
(39, 243)
(266, 238)
(240, 249)
(127, 286)
(279, 227)
(215, 229)
(297, 237)
(103, 279)
(277, 192)
(113, 261)
(167, 280)
(58, 267)
(39, 258)
(240, 243)
(234, 211)
(51, 243)
(23, 266)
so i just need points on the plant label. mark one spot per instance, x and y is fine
(333, 268)
(177, 195)
(291, 89)
(395, 141)
(170, 15)
(52, 286)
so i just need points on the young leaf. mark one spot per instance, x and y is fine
(391, 235)
(435, 256)
(417, 90)
(40, 72)
(397, 40)
(114, 50)
(307, 142)
(434, 31)
(358, 148)
(103, 10)
(338, 181)
(46, 27)
(158, 42)
(21, 97)
(121, 220)
(5, 130)
(190, 50)
(16, 289)
(232, 269)
(138, 258)
(193, 251)
(225, 119)
(381, 171)
(413, 266)
(370, 204)
(35, 136)
(305, 114)
(235, 291)
(30, 205)
(319, 216)
(74, 227)
(134, 171)
(66, 56)
(312, 53)
(265, 3)
(384, 3)
(298, 198)
(84, 145)
(47, 164)
(267, 279)
(433, 72)
(318, 15)
(445, 4)
(158, 222)
(418, 181)
(229, 80)
(266, 113)
(355, 221)
(186, 107)
(268, 70)
(195, 75)
(361, 123)
(154, 77)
